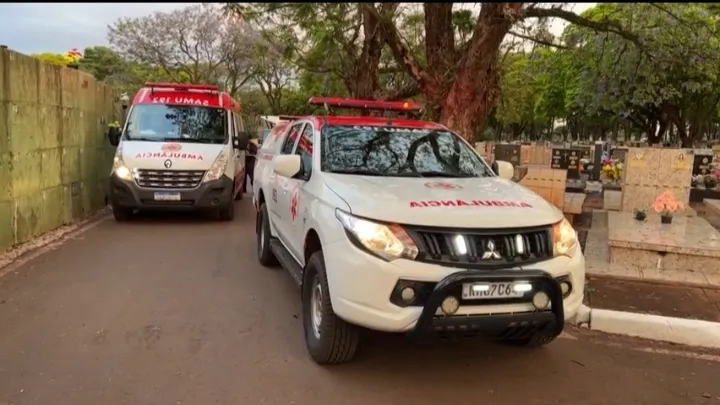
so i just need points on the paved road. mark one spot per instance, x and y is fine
(177, 311)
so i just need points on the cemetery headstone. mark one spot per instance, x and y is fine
(566, 159)
(702, 164)
(597, 162)
(620, 154)
(508, 153)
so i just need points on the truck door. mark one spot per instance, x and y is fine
(281, 189)
(301, 194)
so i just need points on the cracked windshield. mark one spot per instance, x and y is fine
(359, 203)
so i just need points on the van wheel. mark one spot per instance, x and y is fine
(227, 213)
(265, 255)
(329, 339)
(121, 214)
(536, 340)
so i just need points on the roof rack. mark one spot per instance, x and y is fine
(398, 106)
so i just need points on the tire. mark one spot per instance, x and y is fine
(329, 339)
(227, 213)
(534, 341)
(265, 255)
(122, 214)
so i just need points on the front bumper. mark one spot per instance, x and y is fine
(213, 194)
(500, 326)
(362, 287)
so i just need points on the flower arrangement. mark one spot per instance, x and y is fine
(612, 169)
(710, 181)
(667, 205)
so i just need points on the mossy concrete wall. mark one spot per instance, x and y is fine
(54, 155)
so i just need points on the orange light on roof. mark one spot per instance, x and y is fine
(365, 104)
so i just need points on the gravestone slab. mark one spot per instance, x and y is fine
(620, 154)
(508, 153)
(702, 164)
(566, 159)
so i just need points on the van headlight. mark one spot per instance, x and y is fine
(565, 238)
(217, 169)
(389, 242)
(120, 170)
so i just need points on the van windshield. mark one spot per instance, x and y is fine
(177, 123)
(398, 152)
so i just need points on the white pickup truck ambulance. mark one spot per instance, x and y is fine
(182, 147)
(398, 225)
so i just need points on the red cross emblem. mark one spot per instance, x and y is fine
(294, 202)
(442, 185)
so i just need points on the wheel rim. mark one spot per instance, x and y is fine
(316, 307)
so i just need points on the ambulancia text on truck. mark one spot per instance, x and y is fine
(182, 147)
(398, 225)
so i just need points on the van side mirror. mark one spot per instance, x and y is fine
(113, 135)
(241, 140)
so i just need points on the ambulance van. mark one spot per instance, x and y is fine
(183, 148)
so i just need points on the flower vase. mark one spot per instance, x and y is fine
(666, 219)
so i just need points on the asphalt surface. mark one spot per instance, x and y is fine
(176, 310)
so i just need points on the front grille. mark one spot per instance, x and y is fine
(484, 248)
(169, 178)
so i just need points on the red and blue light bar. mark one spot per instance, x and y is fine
(202, 88)
(401, 106)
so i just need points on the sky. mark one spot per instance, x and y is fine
(59, 27)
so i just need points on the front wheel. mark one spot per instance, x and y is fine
(265, 255)
(227, 213)
(122, 214)
(329, 339)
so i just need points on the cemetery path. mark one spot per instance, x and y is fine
(177, 311)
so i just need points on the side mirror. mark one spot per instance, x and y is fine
(240, 141)
(287, 165)
(503, 169)
(114, 136)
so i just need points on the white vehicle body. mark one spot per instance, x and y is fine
(336, 211)
(167, 167)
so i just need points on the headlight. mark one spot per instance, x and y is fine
(389, 242)
(217, 169)
(564, 238)
(120, 170)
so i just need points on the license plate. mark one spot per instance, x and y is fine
(167, 196)
(482, 291)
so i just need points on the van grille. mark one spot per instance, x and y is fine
(169, 178)
(483, 248)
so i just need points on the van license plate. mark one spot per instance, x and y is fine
(481, 291)
(167, 196)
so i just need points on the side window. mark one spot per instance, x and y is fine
(291, 139)
(305, 150)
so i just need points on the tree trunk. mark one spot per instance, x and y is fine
(474, 91)
(367, 66)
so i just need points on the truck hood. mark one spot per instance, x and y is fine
(489, 202)
(183, 156)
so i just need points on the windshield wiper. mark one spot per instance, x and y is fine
(433, 173)
(193, 140)
(359, 172)
(142, 138)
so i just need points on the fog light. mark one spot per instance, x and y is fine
(450, 305)
(540, 300)
(565, 287)
(407, 294)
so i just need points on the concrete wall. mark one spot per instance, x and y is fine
(54, 156)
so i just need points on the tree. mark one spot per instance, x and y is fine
(196, 44)
(341, 39)
(56, 59)
(102, 62)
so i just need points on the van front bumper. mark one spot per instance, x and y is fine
(213, 194)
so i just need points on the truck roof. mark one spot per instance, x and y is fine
(185, 94)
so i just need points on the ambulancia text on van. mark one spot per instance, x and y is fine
(182, 147)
